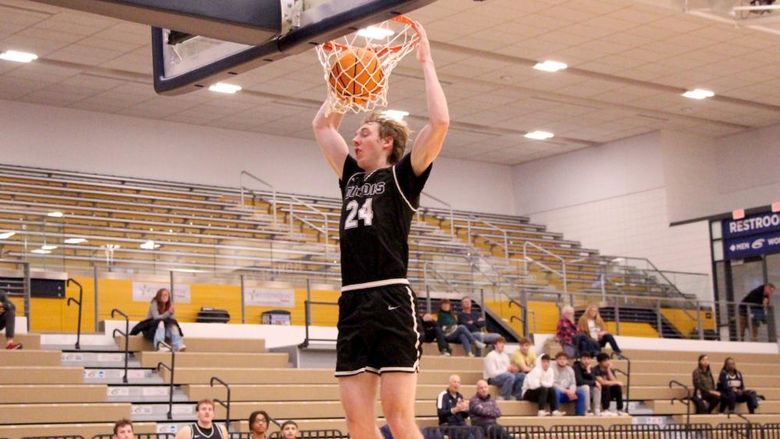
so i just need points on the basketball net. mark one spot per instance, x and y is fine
(389, 41)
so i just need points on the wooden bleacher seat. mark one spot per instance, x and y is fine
(61, 413)
(194, 344)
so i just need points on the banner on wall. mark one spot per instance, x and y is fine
(283, 298)
(145, 291)
(754, 235)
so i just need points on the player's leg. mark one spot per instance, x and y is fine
(398, 393)
(358, 397)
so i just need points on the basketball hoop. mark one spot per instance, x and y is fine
(358, 66)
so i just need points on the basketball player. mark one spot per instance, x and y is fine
(204, 427)
(379, 340)
(123, 429)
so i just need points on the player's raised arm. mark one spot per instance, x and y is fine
(326, 130)
(430, 140)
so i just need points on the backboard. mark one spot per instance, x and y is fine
(185, 61)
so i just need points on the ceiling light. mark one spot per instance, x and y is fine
(41, 251)
(375, 32)
(149, 245)
(698, 94)
(75, 241)
(223, 87)
(16, 56)
(539, 135)
(48, 247)
(55, 214)
(397, 115)
(6, 235)
(550, 66)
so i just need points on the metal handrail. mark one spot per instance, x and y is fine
(126, 334)
(261, 181)
(171, 369)
(526, 259)
(627, 374)
(325, 230)
(685, 401)
(77, 302)
(428, 266)
(492, 226)
(223, 403)
(448, 206)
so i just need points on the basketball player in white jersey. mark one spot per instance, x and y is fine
(379, 334)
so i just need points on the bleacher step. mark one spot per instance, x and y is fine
(102, 375)
(155, 412)
(143, 394)
(97, 359)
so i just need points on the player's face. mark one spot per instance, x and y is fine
(260, 425)
(205, 414)
(290, 431)
(370, 151)
(124, 432)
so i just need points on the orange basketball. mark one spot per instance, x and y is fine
(357, 76)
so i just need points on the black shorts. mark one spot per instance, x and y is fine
(379, 331)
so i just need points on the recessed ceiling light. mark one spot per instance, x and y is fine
(17, 56)
(6, 235)
(149, 245)
(375, 32)
(550, 66)
(539, 135)
(55, 214)
(75, 241)
(223, 87)
(698, 94)
(397, 115)
(41, 251)
(48, 247)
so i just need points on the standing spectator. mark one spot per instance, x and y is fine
(500, 372)
(525, 357)
(755, 306)
(583, 372)
(161, 311)
(453, 332)
(705, 395)
(258, 424)
(566, 331)
(485, 412)
(123, 429)
(432, 332)
(611, 387)
(475, 323)
(204, 426)
(595, 330)
(538, 387)
(289, 430)
(8, 321)
(565, 384)
(732, 388)
(451, 407)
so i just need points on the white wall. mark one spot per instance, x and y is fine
(59, 138)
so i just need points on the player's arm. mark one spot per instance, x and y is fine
(326, 131)
(430, 140)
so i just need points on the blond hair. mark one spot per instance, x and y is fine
(582, 324)
(394, 129)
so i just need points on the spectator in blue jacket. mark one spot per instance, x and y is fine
(451, 407)
(475, 323)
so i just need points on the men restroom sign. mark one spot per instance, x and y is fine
(753, 235)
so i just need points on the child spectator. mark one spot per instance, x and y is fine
(705, 394)
(538, 387)
(732, 389)
(565, 384)
(587, 382)
(611, 387)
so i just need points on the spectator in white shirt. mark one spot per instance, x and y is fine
(538, 387)
(501, 373)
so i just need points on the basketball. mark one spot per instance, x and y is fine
(357, 76)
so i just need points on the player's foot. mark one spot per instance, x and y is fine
(557, 413)
(13, 345)
(543, 413)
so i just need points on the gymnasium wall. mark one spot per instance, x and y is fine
(60, 138)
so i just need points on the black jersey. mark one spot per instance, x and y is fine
(376, 216)
(199, 432)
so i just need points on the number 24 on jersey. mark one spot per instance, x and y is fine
(365, 214)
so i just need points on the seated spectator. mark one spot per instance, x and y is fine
(587, 382)
(566, 331)
(500, 372)
(705, 395)
(432, 332)
(8, 321)
(565, 384)
(475, 323)
(204, 426)
(731, 385)
(453, 332)
(123, 429)
(485, 412)
(161, 311)
(593, 333)
(525, 357)
(258, 424)
(289, 430)
(451, 407)
(611, 387)
(538, 387)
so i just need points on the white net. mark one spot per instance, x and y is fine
(358, 66)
